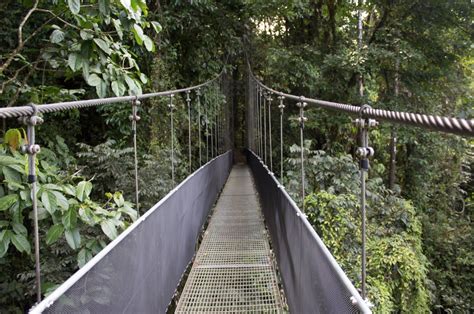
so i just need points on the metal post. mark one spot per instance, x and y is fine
(171, 107)
(198, 95)
(364, 152)
(135, 118)
(282, 107)
(302, 120)
(188, 101)
(32, 149)
(270, 130)
(207, 132)
(259, 138)
(265, 156)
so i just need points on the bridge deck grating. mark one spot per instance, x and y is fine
(233, 271)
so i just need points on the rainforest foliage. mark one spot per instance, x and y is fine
(415, 56)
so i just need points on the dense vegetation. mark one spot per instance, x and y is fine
(416, 56)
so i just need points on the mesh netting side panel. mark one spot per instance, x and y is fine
(311, 283)
(142, 270)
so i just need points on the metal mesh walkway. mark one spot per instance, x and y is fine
(233, 270)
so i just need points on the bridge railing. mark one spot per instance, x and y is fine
(260, 98)
(212, 128)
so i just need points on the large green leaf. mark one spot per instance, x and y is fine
(74, 6)
(54, 233)
(57, 36)
(70, 219)
(19, 228)
(101, 89)
(149, 45)
(118, 88)
(138, 34)
(103, 45)
(94, 80)
(61, 200)
(83, 190)
(48, 199)
(12, 175)
(73, 238)
(21, 243)
(7, 160)
(7, 201)
(5, 237)
(108, 227)
(127, 209)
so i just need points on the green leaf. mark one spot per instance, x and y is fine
(109, 229)
(7, 201)
(19, 228)
(12, 175)
(101, 89)
(7, 160)
(118, 28)
(138, 34)
(70, 219)
(94, 80)
(12, 139)
(71, 61)
(83, 190)
(5, 237)
(74, 6)
(104, 7)
(21, 243)
(87, 216)
(127, 209)
(118, 88)
(143, 78)
(57, 36)
(83, 257)
(156, 26)
(103, 45)
(48, 199)
(149, 45)
(118, 199)
(73, 238)
(126, 4)
(61, 200)
(86, 34)
(54, 233)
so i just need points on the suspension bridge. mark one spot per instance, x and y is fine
(258, 252)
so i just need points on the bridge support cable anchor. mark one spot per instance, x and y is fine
(269, 100)
(171, 108)
(364, 152)
(302, 119)
(31, 148)
(281, 106)
(198, 99)
(188, 102)
(135, 118)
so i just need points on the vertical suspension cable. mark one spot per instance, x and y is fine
(32, 149)
(171, 107)
(302, 120)
(270, 130)
(265, 127)
(188, 101)
(198, 95)
(362, 171)
(260, 120)
(206, 121)
(135, 118)
(282, 107)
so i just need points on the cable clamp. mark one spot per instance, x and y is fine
(31, 122)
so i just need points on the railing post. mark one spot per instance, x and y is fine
(188, 101)
(270, 99)
(32, 149)
(135, 118)
(171, 107)
(259, 122)
(302, 120)
(364, 152)
(265, 155)
(282, 107)
(198, 96)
